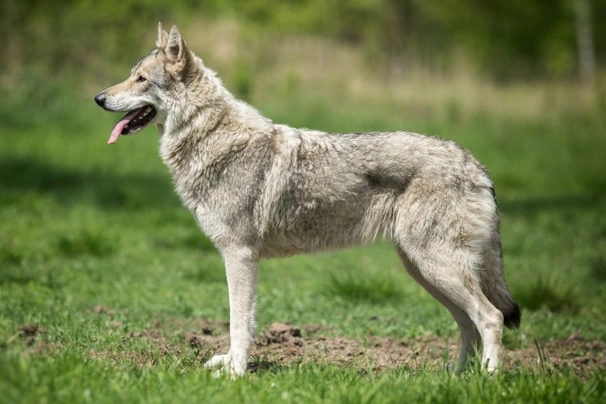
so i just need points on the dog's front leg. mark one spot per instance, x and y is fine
(241, 269)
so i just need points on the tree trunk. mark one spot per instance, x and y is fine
(585, 41)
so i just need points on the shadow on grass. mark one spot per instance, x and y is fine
(70, 187)
(545, 293)
(354, 286)
(261, 366)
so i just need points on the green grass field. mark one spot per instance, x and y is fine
(109, 293)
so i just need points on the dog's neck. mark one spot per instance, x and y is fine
(211, 125)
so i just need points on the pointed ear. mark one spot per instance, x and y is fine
(176, 48)
(162, 37)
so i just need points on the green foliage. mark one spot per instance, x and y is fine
(503, 35)
(84, 243)
(72, 36)
(242, 81)
(541, 293)
(597, 267)
(508, 40)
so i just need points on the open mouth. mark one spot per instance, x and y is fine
(133, 122)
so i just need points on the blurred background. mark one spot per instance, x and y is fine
(457, 57)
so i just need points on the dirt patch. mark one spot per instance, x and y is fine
(28, 333)
(575, 353)
(103, 310)
(284, 344)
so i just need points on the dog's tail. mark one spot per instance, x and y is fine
(493, 282)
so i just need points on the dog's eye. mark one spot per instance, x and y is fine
(140, 79)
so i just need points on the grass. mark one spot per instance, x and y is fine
(96, 251)
(174, 382)
(364, 287)
(168, 381)
(555, 297)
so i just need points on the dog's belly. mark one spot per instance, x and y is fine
(352, 222)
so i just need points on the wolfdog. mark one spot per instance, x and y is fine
(259, 189)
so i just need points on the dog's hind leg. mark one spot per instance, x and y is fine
(448, 276)
(241, 267)
(470, 338)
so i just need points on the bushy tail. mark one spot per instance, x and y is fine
(493, 283)
(513, 318)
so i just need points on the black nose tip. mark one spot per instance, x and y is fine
(100, 99)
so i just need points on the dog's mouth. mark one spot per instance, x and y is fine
(133, 122)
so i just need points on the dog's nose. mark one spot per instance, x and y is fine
(100, 99)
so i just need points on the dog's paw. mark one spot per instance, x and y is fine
(224, 365)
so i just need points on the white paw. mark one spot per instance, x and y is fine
(225, 365)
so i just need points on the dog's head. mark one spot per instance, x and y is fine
(148, 94)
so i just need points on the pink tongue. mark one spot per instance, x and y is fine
(120, 127)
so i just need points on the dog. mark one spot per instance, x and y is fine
(260, 189)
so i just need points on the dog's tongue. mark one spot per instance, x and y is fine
(120, 126)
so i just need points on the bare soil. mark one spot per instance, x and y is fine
(283, 344)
